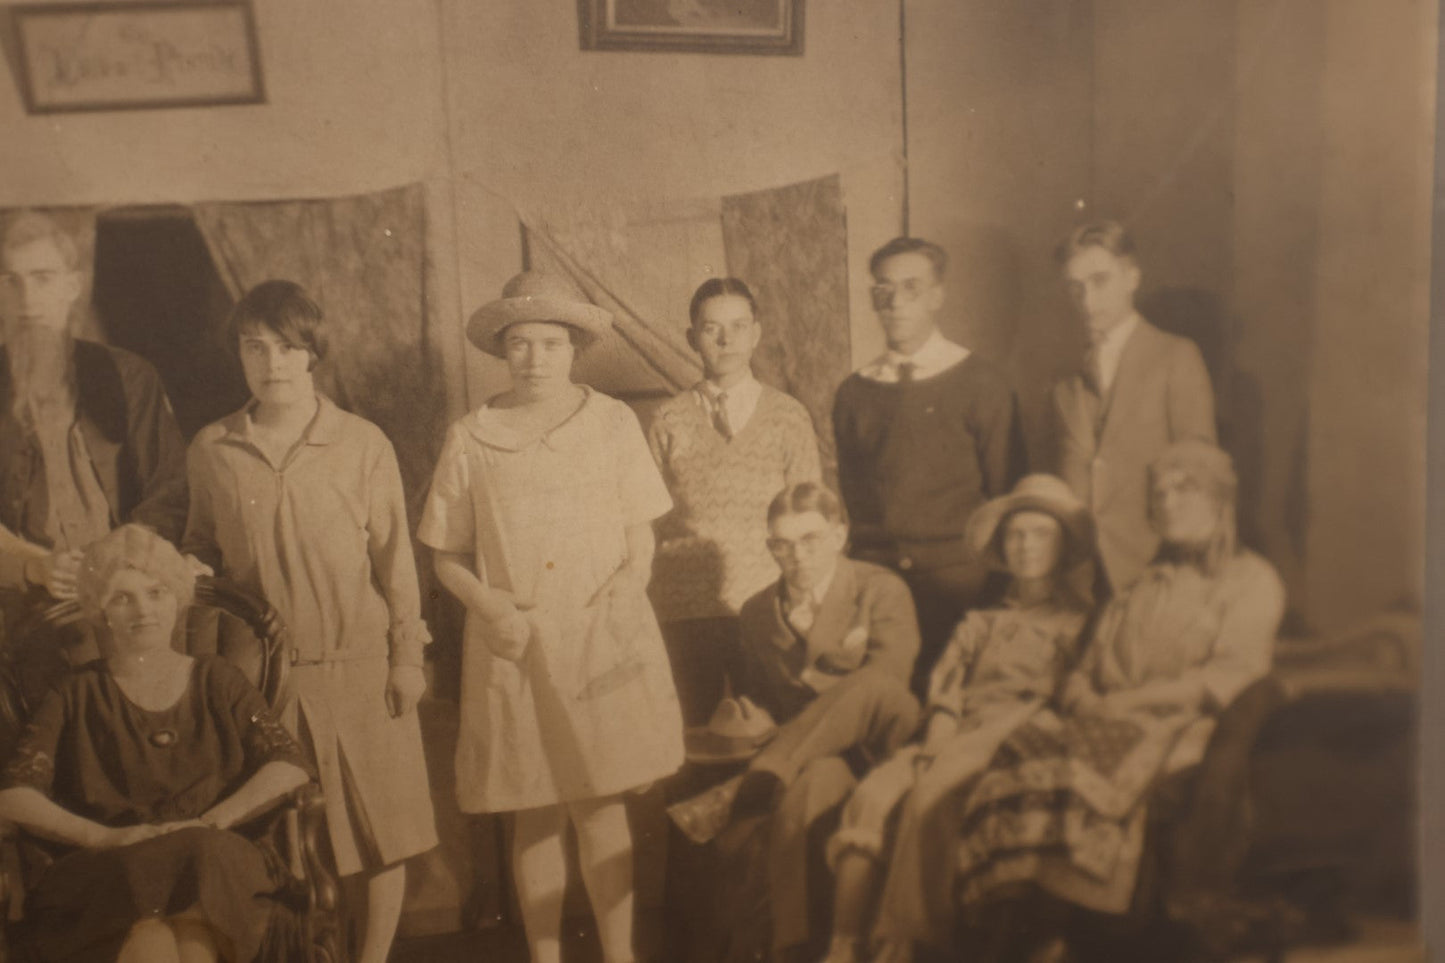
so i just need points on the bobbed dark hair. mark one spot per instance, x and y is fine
(286, 310)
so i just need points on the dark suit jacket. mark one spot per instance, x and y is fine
(863, 597)
(1161, 394)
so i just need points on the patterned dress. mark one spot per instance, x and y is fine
(1064, 800)
(589, 710)
(101, 756)
(999, 668)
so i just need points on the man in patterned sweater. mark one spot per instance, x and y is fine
(926, 433)
(726, 446)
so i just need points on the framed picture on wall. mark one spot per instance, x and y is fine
(699, 26)
(125, 55)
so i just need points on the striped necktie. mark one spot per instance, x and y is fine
(720, 419)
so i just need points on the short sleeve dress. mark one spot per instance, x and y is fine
(101, 756)
(590, 709)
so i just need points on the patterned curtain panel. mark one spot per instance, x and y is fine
(363, 260)
(643, 269)
(791, 245)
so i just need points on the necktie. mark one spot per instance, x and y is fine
(905, 372)
(720, 419)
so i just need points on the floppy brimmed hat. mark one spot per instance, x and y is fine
(536, 296)
(1034, 493)
(737, 730)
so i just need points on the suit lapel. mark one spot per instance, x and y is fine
(1083, 409)
(783, 635)
(835, 614)
(1141, 354)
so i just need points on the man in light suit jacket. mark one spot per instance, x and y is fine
(1140, 391)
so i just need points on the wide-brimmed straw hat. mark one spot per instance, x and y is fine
(536, 296)
(1034, 493)
(737, 730)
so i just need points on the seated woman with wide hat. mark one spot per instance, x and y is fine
(133, 771)
(892, 853)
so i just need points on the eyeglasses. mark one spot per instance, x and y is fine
(909, 289)
(809, 543)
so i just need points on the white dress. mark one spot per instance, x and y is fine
(590, 709)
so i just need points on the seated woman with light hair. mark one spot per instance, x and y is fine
(134, 769)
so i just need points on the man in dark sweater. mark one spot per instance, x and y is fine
(926, 433)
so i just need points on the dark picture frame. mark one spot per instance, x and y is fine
(693, 26)
(137, 55)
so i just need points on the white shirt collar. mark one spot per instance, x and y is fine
(1111, 348)
(820, 591)
(934, 356)
(742, 399)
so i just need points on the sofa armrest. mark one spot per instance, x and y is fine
(1207, 844)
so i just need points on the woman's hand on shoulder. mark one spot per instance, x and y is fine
(405, 685)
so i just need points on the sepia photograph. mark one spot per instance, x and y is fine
(709, 481)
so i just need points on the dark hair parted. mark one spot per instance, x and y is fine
(286, 310)
(1109, 235)
(807, 497)
(717, 288)
(936, 255)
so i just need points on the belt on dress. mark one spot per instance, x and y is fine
(337, 655)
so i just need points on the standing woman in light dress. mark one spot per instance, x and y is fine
(541, 516)
(298, 500)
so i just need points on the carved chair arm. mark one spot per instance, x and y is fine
(305, 852)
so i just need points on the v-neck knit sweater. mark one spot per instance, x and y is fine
(712, 553)
(916, 458)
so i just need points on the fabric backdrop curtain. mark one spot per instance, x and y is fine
(642, 265)
(791, 245)
(363, 259)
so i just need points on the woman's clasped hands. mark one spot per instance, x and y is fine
(114, 837)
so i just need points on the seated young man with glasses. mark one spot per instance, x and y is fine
(827, 650)
(926, 433)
